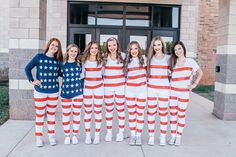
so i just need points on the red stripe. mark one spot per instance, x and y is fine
(163, 99)
(163, 123)
(151, 131)
(121, 126)
(98, 97)
(109, 104)
(78, 100)
(130, 98)
(181, 116)
(152, 106)
(77, 106)
(152, 98)
(132, 128)
(52, 98)
(108, 96)
(158, 77)
(180, 78)
(38, 134)
(88, 96)
(51, 113)
(76, 113)
(163, 114)
(114, 67)
(140, 107)
(66, 123)
(181, 110)
(132, 113)
(51, 106)
(88, 112)
(97, 112)
(183, 100)
(66, 114)
(140, 121)
(158, 87)
(107, 110)
(66, 106)
(121, 118)
(109, 127)
(97, 130)
(159, 67)
(120, 96)
(162, 108)
(182, 69)
(114, 84)
(180, 89)
(120, 103)
(173, 131)
(66, 131)
(109, 118)
(98, 120)
(87, 130)
(51, 122)
(173, 97)
(136, 68)
(139, 114)
(139, 130)
(120, 110)
(136, 84)
(39, 108)
(137, 77)
(173, 107)
(87, 105)
(132, 120)
(179, 133)
(76, 122)
(75, 131)
(66, 100)
(93, 69)
(51, 131)
(39, 123)
(40, 115)
(173, 113)
(173, 122)
(151, 114)
(87, 120)
(114, 76)
(141, 100)
(163, 131)
(93, 87)
(40, 99)
(98, 105)
(93, 79)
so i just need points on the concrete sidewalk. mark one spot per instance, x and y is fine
(204, 136)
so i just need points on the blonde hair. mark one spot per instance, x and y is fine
(129, 57)
(77, 59)
(86, 53)
(107, 52)
(151, 52)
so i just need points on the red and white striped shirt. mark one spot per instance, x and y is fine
(182, 76)
(136, 74)
(158, 77)
(92, 74)
(113, 73)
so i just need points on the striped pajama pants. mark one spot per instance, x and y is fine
(93, 100)
(158, 98)
(73, 105)
(115, 95)
(45, 104)
(178, 104)
(136, 98)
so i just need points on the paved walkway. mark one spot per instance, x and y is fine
(204, 136)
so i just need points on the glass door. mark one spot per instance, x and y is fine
(81, 36)
(143, 37)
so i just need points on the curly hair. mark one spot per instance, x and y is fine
(107, 52)
(86, 53)
(151, 52)
(129, 57)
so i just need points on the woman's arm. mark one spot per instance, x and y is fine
(198, 75)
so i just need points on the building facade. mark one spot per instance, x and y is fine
(29, 24)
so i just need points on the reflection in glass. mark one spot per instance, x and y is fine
(82, 40)
(110, 15)
(82, 14)
(138, 16)
(142, 40)
(103, 39)
(169, 42)
(166, 17)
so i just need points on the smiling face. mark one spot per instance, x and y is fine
(72, 53)
(53, 48)
(112, 46)
(134, 50)
(157, 47)
(94, 50)
(179, 51)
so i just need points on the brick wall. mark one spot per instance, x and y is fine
(207, 39)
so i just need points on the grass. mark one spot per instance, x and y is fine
(4, 101)
(206, 91)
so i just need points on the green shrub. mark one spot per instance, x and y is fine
(4, 102)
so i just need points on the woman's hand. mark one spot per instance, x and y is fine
(36, 83)
(192, 86)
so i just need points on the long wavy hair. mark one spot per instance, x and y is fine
(86, 53)
(58, 55)
(107, 52)
(173, 58)
(77, 59)
(129, 57)
(151, 52)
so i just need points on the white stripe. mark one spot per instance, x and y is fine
(225, 88)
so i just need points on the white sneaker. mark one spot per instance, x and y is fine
(162, 141)
(178, 141)
(67, 140)
(138, 141)
(120, 136)
(88, 139)
(39, 142)
(96, 139)
(108, 137)
(151, 141)
(52, 140)
(74, 140)
(132, 141)
(172, 140)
